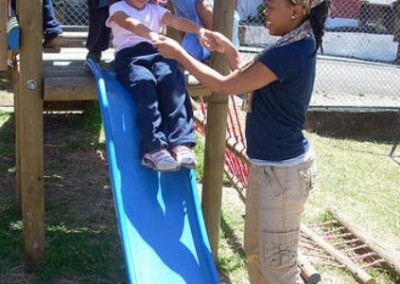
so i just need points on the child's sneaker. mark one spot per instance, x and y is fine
(160, 160)
(184, 156)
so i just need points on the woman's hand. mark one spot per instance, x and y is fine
(215, 41)
(168, 47)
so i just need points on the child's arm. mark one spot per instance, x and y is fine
(181, 24)
(133, 25)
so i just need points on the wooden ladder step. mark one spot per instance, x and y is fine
(70, 39)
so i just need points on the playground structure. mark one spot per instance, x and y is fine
(37, 81)
(149, 203)
(74, 83)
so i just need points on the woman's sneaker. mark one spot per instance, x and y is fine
(160, 160)
(184, 156)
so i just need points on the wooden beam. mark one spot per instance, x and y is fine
(3, 35)
(307, 271)
(76, 84)
(216, 134)
(238, 149)
(390, 257)
(17, 96)
(70, 39)
(357, 271)
(30, 119)
(78, 88)
(172, 33)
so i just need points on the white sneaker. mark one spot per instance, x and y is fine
(160, 160)
(184, 156)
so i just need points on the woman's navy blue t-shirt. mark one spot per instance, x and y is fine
(274, 128)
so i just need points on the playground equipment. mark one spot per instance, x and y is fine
(37, 81)
(149, 203)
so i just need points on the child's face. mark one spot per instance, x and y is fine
(137, 4)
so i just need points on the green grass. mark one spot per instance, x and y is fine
(82, 243)
(232, 261)
(10, 235)
(358, 178)
(361, 180)
(81, 251)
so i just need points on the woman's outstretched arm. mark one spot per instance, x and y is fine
(239, 81)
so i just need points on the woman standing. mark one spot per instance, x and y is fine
(281, 80)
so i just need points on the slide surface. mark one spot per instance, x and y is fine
(159, 216)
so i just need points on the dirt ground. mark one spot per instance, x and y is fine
(76, 178)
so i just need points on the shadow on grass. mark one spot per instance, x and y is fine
(238, 260)
(82, 240)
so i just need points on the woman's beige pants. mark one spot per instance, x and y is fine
(274, 204)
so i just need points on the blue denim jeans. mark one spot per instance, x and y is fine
(164, 113)
(51, 27)
(99, 35)
(190, 42)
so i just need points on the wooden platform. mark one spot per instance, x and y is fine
(66, 78)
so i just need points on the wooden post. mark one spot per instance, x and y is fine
(30, 119)
(216, 134)
(172, 33)
(3, 35)
(17, 96)
(393, 260)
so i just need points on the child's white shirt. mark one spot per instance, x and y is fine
(150, 16)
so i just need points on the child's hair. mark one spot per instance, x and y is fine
(317, 18)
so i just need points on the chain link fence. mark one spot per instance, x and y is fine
(71, 13)
(360, 63)
(359, 66)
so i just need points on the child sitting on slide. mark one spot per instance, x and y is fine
(157, 85)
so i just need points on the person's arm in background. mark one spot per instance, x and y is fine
(206, 12)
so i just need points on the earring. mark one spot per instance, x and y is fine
(293, 17)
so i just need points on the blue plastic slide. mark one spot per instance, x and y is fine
(159, 215)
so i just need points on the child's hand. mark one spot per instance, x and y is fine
(168, 47)
(154, 36)
(203, 38)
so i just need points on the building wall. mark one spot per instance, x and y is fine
(345, 9)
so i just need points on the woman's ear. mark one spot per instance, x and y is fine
(298, 12)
